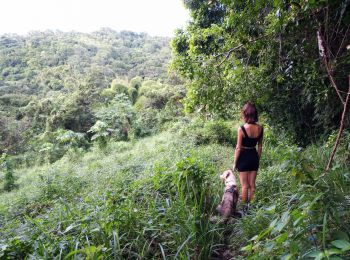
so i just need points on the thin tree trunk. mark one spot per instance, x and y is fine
(342, 123)
(323, 53)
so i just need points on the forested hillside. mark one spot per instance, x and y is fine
(53, 81)
(105, 154)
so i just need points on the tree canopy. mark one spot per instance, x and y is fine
(266, 52)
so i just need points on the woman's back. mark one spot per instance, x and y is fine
(253, 130)
(252, 133)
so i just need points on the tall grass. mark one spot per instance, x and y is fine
(301, 212)
(149, 199)
(155, 199)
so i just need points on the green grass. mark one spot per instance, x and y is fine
(156, 197)
(123, 201)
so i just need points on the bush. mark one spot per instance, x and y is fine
(301, 211)
(118, 116)
(118, 85)
(141, 103)
(120, 89)
(108, 94)
(145, 124)
(9, 179)
(192, 180)
(135, 83)
(100, 133)
(52, 145)
(133, 94)
(212, 131)
(116, 88)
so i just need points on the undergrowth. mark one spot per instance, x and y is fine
(155, 198)
(302, 212)
(147, 199)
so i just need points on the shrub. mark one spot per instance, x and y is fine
(118, 116)
(343, 152)
(119, 87)
(100, 133)
(135, 83)
(108, 94)
(141, 103)
(133, 94)
(212, 131)
(145, 124)
(192, 179)
(9, 179)
(304, 212)
(52, 145)
(70, 139)
(220, 132)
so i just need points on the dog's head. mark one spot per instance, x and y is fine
(228, 176)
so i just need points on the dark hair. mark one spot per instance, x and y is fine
(249, 113)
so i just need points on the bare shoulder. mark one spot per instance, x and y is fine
(260, 126)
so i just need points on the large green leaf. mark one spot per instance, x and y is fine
(341, 244)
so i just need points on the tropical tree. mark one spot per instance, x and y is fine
(266, 52)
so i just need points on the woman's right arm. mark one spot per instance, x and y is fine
(238, 146)
(260, 145)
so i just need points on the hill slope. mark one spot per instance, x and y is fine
(57, 80)
(51, 61)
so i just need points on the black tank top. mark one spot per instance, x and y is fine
(250, 141)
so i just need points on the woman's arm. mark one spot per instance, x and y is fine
(260, 143)
(238, 146)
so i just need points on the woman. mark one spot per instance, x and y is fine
(246, 159)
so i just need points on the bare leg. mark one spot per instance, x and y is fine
(243, 177)
(251, 181)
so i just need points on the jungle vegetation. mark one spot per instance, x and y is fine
(112, 142)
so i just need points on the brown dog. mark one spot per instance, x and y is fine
(228, 204)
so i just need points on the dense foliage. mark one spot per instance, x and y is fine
(55, 86)
(156, 198)
(266, 52)
(99, 160)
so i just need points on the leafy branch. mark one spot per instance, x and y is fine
(230, 51)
